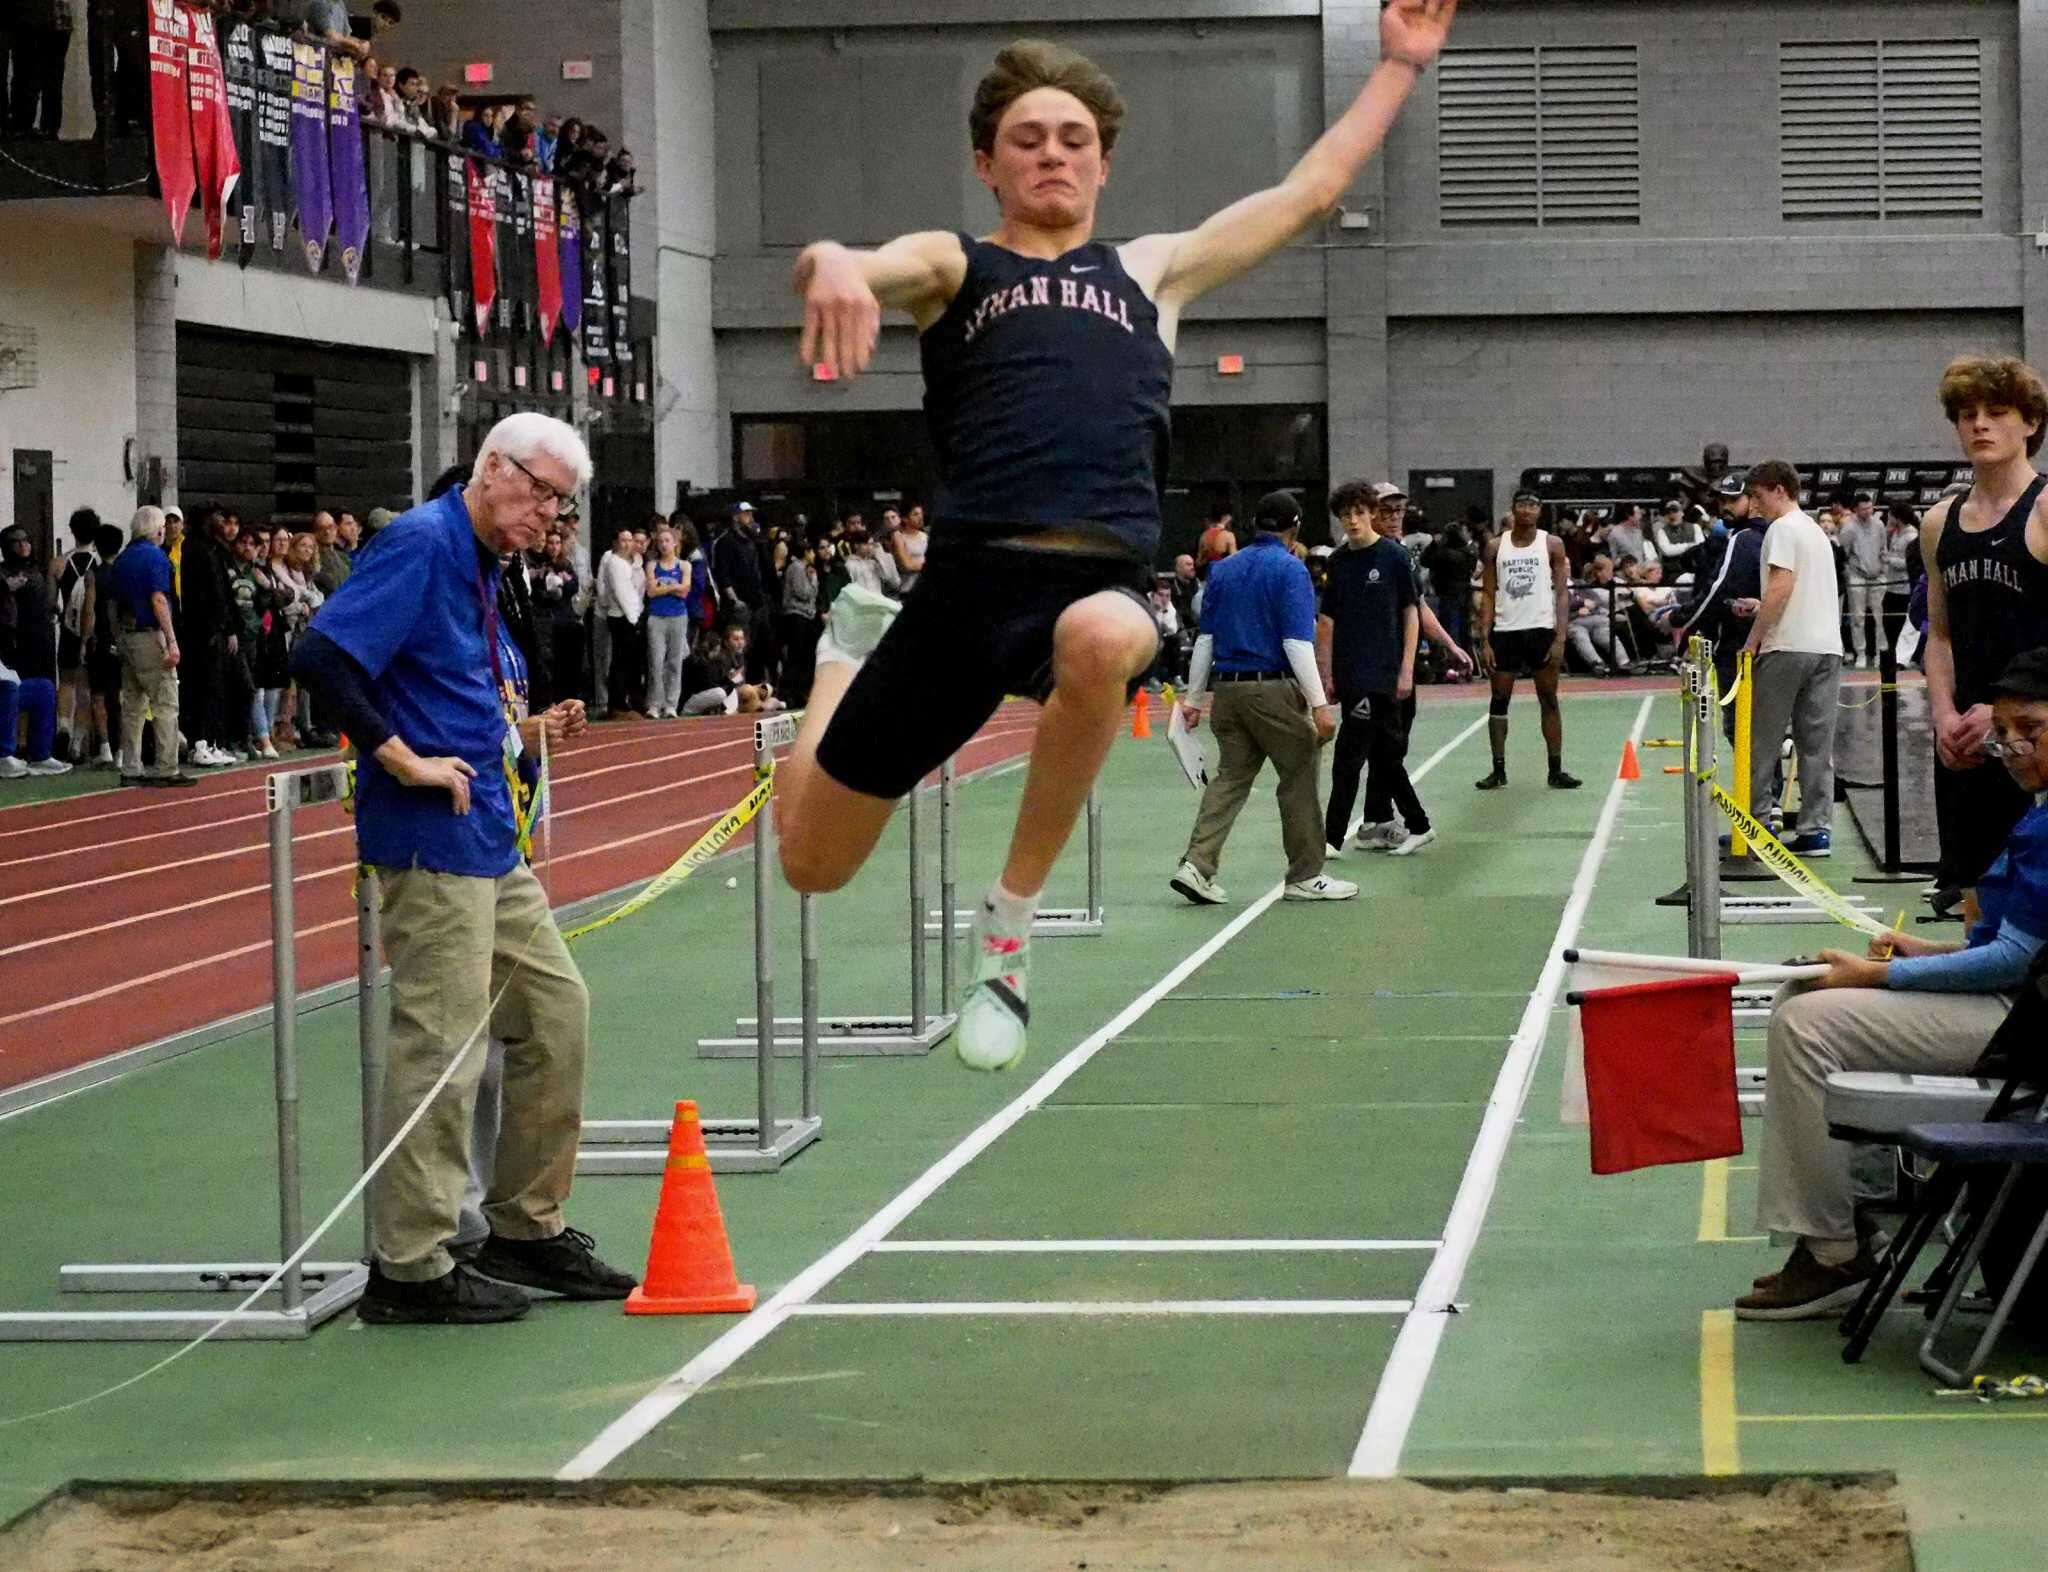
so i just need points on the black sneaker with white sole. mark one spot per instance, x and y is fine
(457, 1298)
(1805, 1290)
(566, 1265)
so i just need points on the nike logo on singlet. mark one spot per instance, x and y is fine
(1090, 268)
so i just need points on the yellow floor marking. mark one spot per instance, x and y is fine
(1720, 1450)
(1714, 1203)
(1972, 1410)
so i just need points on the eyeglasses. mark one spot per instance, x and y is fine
(2017, 748)
(565, 503)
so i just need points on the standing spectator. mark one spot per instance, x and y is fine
(625, 600)
(1259, 634)
(1450, 561)
(249, 590)
(141, 585)
(480, 135)
(703, 599)
(544, 143)
(410, 89)
(334, 561)
(1217, 540)
(1797, 643)
(1677, 538)
(1902, 567)
(554, 598)
(28, 659)
(445, 113)
(1862, 539)
(270, 666)
(308, 598)
(520, 126)
(909, 548)
(206, 617)
(739, 566)
(103, 648)
(42, 42)
(667, 582)
(800, 627)
(1625, 537)
(74, 585)
(327, 22)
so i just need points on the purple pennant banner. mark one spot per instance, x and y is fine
(314, 196)
(572, 258)
(350, 183)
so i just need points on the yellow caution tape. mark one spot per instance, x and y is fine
(709, 845)
(1774, 855)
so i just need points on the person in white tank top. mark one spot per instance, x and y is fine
(1522, 625)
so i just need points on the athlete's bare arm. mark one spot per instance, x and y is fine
(844, 292)
(1561, 581)
(1957, 733)
(1176, 269)
(1482, 638)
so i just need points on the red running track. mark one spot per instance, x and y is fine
(126, 916)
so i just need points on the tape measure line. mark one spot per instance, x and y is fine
(1776, 856)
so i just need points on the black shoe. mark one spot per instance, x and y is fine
(1563, 780)
(562, 1265)
(458, 1298)
(1493, 782)
(466, 1251)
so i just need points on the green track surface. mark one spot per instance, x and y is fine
(1321, 1077)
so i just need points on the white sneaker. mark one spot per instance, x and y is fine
(1412, 843)
(207, 756)
(990, 1034)
(104, 759)
(1202, 891)
(1321, 888)
(12, 769)
(50, 766)
(859, 618)
(1378, 837)
(268, 750)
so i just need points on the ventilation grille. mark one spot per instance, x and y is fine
(1539, 137)
(1881, 130)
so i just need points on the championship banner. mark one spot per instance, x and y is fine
(547, 259)
(215, 165)
(455, 256)
(309, 151)
(569, 256)
(619, 226)
(597, 300)
(483, 242)
(238, 60)
(502, 242)
(347, 179)
(170, 109)
(519, 277)
(272, 175)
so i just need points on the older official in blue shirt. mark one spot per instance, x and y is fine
(1258, 645)
(412, 657)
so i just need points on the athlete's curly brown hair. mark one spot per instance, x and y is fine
(1996, 382)
(1032, 63)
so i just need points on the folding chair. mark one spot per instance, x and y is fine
(2010, 1136)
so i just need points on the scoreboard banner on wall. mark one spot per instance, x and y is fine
(1601, 488)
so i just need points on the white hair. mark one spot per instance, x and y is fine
(148, 523)
(530, 435)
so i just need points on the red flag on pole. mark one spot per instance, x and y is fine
(547, 258)
(170, 39)
(215, 164)
(1660, 1071)
(483, 243)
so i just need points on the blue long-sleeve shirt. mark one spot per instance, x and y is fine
(2013, 898)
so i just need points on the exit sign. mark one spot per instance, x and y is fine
(824, 371)
(577, 70)
(1230, 365)
(477, 72)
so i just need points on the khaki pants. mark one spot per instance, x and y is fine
(146, 680)
(1804, 1184)
(1254, 722)
(454, 943)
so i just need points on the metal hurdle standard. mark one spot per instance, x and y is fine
(873, 1035)
(765, 1142)
(312, 1291)
(1073, 922)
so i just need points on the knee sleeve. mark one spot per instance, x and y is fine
(1497, 707)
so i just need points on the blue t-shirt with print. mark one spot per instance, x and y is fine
(413, 615)
(2015, 891)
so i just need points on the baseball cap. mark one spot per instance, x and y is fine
(1732, 484)
(1277, 510)
(1387, 491)
(743, 507)
(2026, 677)
(1526, 495)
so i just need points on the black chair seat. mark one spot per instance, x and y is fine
(1974, 1145)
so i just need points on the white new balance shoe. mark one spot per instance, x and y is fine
(1321, 888)
(1197, 887)
(990, 1034)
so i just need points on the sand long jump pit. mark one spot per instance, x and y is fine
(1840, 1524)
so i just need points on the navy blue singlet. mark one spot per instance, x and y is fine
(1046, 388)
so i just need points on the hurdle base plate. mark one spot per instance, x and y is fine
(839, 1037)
(1749, 1092)
(332, 1286)
(640, 1146)
(1071, 922)
(1766, 909)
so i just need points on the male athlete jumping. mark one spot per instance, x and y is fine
(1048, 365)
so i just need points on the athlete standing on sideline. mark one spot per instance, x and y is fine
(1987, 602)
(1048, 364)
(1522, 627)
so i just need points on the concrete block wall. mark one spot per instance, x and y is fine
(156, 364)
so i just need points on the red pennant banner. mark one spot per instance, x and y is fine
(547, 258)
(170, 40)
(216, 166)
(483, 243)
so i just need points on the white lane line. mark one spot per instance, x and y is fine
(720, 1355)
(1401, 1383)
(1119, 1307)
(1142, 1246)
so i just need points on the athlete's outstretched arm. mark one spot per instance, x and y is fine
(1234, 241)
(844, 292)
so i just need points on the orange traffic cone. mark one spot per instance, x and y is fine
(1630, 769)
(1141, 721)
(689, 1262)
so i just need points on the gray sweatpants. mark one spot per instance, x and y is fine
(1798, 692)
(1805, 1187)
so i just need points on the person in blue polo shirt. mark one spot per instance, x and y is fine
(409, 654)
(1259, 639)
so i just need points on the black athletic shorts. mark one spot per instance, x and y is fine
(976, 628)
(70, 650)
(1522, 653)
(1974, 812)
